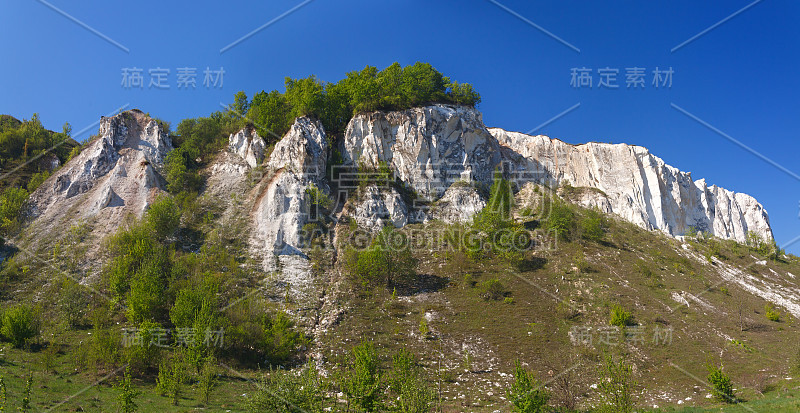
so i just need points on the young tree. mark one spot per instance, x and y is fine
(362, 382)
(616, 386)
(526, 395)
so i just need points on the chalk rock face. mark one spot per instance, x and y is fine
(303, 150)
(639, 186)
(428, 147)
(228, 173)
(282, 206)
(378, 207)
(248, 145)
(459, 203)
(117, 174)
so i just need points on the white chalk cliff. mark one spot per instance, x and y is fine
(432, 147)
(639, 186)
(116, 175)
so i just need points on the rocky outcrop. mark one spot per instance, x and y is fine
(429, 148)
(281, 207)
(432, 147)
(638, 186)
(116, 175)
(459, 203)
(376, 208)
(247, 145)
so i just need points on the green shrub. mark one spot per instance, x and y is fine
(407, 382)
(171, 377)
(20, 325)
(12, 200)
(616, 386)
(284, 392)
(362, 380)
(492, 289)
(620, 317)
(387, 261)
(163, 217)
(592, 226)
(526, 395)
(37, 180)
(721, 386)
(560, 220)
(126, 399)
(772, 313)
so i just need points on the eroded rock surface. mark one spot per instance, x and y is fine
(639, 186)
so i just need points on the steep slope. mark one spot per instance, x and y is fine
(116, 175)
(640, 187)
(432, 147)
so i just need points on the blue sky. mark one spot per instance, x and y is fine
(738, 77)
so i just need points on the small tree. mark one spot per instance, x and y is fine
(3, 395)
(721, 386)
(285, 392)
(362, 381)
(620, 317)
(526, 395)
(26, 397)
(20, 325)
(592, 226)
(208, 379)
(414, 395)
(616, 386)
(127, 394)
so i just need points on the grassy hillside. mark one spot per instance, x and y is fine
(466, 317)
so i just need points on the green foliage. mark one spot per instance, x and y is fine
(592, 226)
(492, 289)
(281, 340)
(172, 377)
(620, 317)
(207, 379)
(406, 381)
(394, 88)
(144, 357)
(196, 140)
(20, 141)
(526, 395)
(20, 325)
(387, 261)
(72, 302)
(256, 329)
(772, 313)
(126, 398)
(12, 202)
(163, 217)
(560, 219)
(766, 248)
(26, 396)
(362, 381)
(721, 386)
(616, 386)
(284, 392)
(494, 234)
(3, 395)
(37, 179)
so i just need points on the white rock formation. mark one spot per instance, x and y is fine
(376, 208)
(248, 145)
(458, 204)
(281, 207)
(428, 147)
(116, 175)
(639, 186)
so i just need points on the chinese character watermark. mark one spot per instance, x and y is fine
(635, 78)
(159, 78)
(614, 336)
(160, 337)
